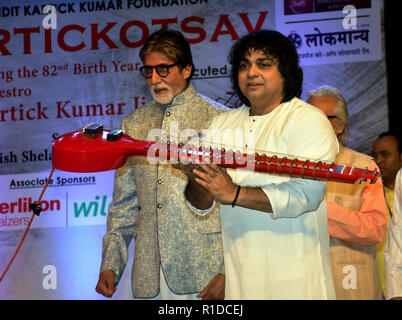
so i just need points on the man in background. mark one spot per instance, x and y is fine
(356, 212)
(388, 155)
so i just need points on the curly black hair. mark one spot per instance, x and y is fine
(275, 45)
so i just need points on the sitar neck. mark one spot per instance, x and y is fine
(263, 163)
(94, 149)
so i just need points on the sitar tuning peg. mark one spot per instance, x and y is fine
(364, 172)
(375, 173)
(229, 155)
(257, 157)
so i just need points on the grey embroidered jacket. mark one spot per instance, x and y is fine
(149, 205)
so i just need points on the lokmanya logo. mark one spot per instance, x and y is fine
(296, 39)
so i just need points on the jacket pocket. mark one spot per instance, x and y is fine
(208, 224)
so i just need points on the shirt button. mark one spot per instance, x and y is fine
(167, 114)
(159, 181)
(159, 206)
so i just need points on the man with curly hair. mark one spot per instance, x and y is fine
(274, 228)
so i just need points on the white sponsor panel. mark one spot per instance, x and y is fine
(327, 32)
(71, 199)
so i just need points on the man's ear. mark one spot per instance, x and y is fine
(187, 71)
(339, 130)
(339, 127)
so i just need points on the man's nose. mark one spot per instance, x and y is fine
(252, 71)
(378, 159)
(155, 78)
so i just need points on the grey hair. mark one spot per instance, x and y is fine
(341, 110)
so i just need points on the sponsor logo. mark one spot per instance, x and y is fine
(13, 214)
(22, 206)
(91, 209)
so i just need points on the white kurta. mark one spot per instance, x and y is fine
(284, 254)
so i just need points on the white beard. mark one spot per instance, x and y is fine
(164, 98)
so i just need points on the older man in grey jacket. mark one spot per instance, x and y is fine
(178, 255)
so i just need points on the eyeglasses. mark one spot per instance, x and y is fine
(161, 69)
(331, 117)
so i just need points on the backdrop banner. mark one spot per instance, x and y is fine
(66, 64)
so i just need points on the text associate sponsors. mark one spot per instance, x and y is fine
(60, 181)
